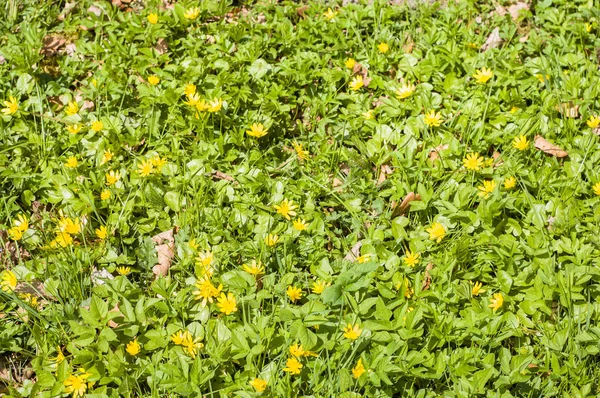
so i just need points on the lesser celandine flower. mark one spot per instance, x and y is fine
(60, 356)
(15, 233)
(257, 130)
(206, 291)
(358, 369)
(77, 384)
(97, 126)
(300, 151)
(297, 350)
(293, 366)
(330, 14)
(383, 47)
(510, 182)
(112, 177)
(62, 239)
(259, 385)
(69, 225)
(189, 89)
(105, 195)
(436, 232)
(496, 301)
(179, 337)
(319, 286)
(483, 75)
(133, 347)
(123, 271)
(101, 232)
(349, 63)
(364, 258)
(596, 188)
(352, 332)
(588, 27)
(368, 115)
(356, 83)
(255, 268)
(487, 188)
(145, 168)
(12, 106)
(21, 223)
(153, 80)
(215, 105)
(227, 304)
(192, 13)
(158, 162)
(477, 289)
(9, 281)
(520, 142)
(271, 240)
(294, 293)
(299, 224)
(153, 18)
(106, 156)
(593, 122)
(433, 119)
(74, 128)
(71, 162)
(286, 208)
(411, 259)
(72, 108)
(542, 78)
(473, 161)
(514, 109)
(405, 91)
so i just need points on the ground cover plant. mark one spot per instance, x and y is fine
(320, 199)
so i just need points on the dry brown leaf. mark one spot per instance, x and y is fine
(354, 253)
(427, 277)
(596, 131)
(51, 44)
(385, 170)
(515, 9)
(405, 205)
(434, 154)
(363, 71)
(112, 323)
(547, 147)
(568, 109)
(218, 175)
(161, 46)
(301, 10)
(497, 160)
(97, 11)
(165, 246)
(35, 288)
(493, 40)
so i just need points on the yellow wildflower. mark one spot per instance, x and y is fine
(206, 291)
(105, 195)
(255, 268)
(153, 80)
(257, 130)
(259, 385)
(356, 83)
(97, 125)
(319, 286)
(145, 168)
(71, 162)
(411, 259)
(153, 18)
(74, 128)
(520, 142)
(300, 151)
(215, 105)
(487, 188)
(299, 224)
(593, 122)
(358, 369)
(192, 13)
(349, 63)
(21, 223)
(596, 188)
(510, 183)
(9, 281)
(286, 208)
(189, 89)
(101, 232)
(473, 161)
(271, 240)
(294, 293)
(72, 226)
(496, 302)
(352, 332)
(477, 289)
(76, 385)
(293, 366)
(436, 232)
(123, 271)
(227, 304)
(433, 119)
(330, 14)
(364, 258)
(72, 108)
(133, 348)
(405, 91)
(112, 177)
(483, 75)
(12, 106)
(106, 156)
(383, 47)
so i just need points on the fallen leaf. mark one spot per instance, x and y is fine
(301, 10)
(496, 155)
(35, 288)
(354, 253)
(95, 10)
(493, 40)
(359, 69)
(67, 9)
(427, 277)
(218, 175)
(568, 109)
(98, 277)
(111, 323)
(51, 44)
(523, 39)
(165, 246)
(385, 170)
(515, 9)
(434, 154)
(550, 149)
(405, 205)
(161, 46)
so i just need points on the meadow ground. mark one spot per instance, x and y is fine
(318, 199)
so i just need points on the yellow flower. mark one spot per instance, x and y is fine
(542, 78)
(191, 346)
(487, 188)
(286, 208)
(514, 109)
(21, 223)
(596, 188)
(153, 18)
(483, 75)
(408, 291)
(158, 163)
(299, 224)
(383, 47)
(368, 115)
(257, 130)
(59, 356)
(292, 366)
(300, 151)
(405, 91)
(106, 157)
(192, 13)
(436, 232)
(29, 299)
(472, 45)
(153, 80)
(520, 142)
(72, 226)
(259, 385)
(105, 195)
(9, 281)
(473, 161)
(62, 239)
(179, 337)
(12, 106)
(101, 232)
(356, 83)
(364, 258)
(496, 302)
(76, 385)
(477, 289)
(350, 62)
(15, 233)
(227, 304)
(133, 348)
(97, 125)
(205, 258)
(588, 27)
(206, 291)
(433, 119)
(294, 293)
(352, 332)
(71, 162)
(593, 122)
(358, 369)
(510, 183)
(215, 105)
(112, 177)
(330, 14)
(193, 99)
(297, 350)
(123, 271)
(145, 168)
(255, 268)
(74, 128)
(319, 286)
(189, 89)
(271, 240)
(411, 259)
(72, 108)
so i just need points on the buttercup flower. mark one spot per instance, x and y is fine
(74, 128)
(368, 115)
(433, 119)
(158, 163)
(71, 162)
(473, 161)
(133, 347)
(411, 259)
(106, 157)
(319, 286)
(192, 13)
(477, 289)
(12, 106)
(596, 188)
(15, 233)
(72, 226)
(153, 80)
(145, 168)
(352, 332)
(349, 63)
(21, 223)
(356, 83)
(299, 224)
(112, 177)
(294, 293)
(593, 121)
(101, 232)
(271, 240)
(496, 302)
(189, 89)
(436, 232)
(483, 75)
(227, 304)
(9, 281)
(487, 188)
(76, 384)
(62, 239)
(72, 108)
(330, 14)
(364, 258)
(286, 208)
(358, 369)
(510, 183)
(520, 143)
(297, 350)
(542, 78)
(123, 271)
(293, 366)
(257, 130)
(215, 105)
(383, 47)
(105, 195)
(255, 268)
(153, 18)
(207, 291)
(259, 385)
(405, 91)
(97, 125)
(300, 151)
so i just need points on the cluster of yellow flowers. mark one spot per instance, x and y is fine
(198, 104)
(187, 341)
(207, 291)
(77, 384)
(20, 225)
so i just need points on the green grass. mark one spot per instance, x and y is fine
(122, 304)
